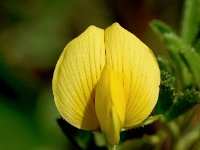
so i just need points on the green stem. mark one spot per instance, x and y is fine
(111, 147)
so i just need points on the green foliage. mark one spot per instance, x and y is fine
(173, 46)
(191, 20)
(172, 103)
(166, 94)
(184, 53)
(183, 103)
(160, 28)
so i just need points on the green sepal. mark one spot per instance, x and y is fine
(148, 121)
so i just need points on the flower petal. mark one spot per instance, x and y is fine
(75, 77)
(110, 105)
(135, 63)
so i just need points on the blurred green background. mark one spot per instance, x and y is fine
(32, 36)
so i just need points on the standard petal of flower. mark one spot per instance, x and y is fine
(136, 64)
(110, 105)
(75, 77)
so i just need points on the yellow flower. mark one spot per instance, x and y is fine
(106, 80)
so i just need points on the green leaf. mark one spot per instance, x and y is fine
(160, 28)
(191, 20)
(184, 102)
(166, 94)
(173, 45)
(184, 56)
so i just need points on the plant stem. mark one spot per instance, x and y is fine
(111, 147)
